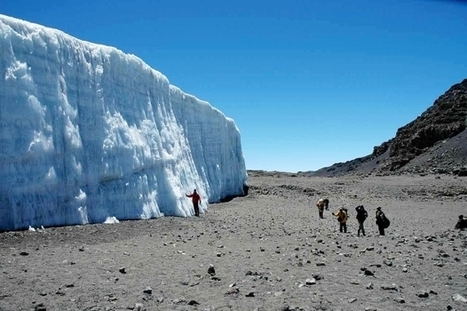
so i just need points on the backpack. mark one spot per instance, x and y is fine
(385, 221)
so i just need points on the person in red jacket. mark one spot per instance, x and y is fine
(196, 199)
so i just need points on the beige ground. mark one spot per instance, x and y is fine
(269, 250)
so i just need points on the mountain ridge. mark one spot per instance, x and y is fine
(434, 143)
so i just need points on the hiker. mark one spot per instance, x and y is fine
(361, 217)
(322, 204)
(196, 199)
(461, 223)
(342, 216)
(381, 220)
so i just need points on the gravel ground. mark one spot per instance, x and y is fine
(266, 251)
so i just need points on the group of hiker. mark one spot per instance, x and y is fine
(381, 220)
(343, 215)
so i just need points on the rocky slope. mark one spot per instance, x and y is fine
(434, 143)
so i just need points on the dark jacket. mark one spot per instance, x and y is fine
(361, 213)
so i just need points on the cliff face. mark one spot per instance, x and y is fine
(435, 142)
(89, 132)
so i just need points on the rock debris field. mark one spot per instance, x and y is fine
(265, 251)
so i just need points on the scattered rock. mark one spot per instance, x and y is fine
(148, 290)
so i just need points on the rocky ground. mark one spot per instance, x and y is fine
(266, 251)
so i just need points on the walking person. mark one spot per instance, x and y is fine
(362, 215)
(342, 216)
(381, 220)
(196, 199)
(321, 204)
(461, 223)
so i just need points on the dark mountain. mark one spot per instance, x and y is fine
(434, 143)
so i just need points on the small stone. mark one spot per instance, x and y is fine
(369, 286)
(148, 290)
(389, 287)
(460, 298)
(193, 303)
(423, 294)
(122, 270)
(316, 276)
(369, 273)
(250, 294)
(211, 270)
(232, 291)
(40, 307)
(310, 281)
(388, 263)
(24, 253)
(352, 300)
(399, 300)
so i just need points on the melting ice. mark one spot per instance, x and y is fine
(88, 132)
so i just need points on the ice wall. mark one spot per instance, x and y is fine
(88, 132)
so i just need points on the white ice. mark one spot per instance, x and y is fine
(88, 132)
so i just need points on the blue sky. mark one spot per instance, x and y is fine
(309, 83)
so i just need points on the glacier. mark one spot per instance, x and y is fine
(88, 132)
